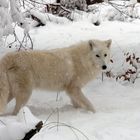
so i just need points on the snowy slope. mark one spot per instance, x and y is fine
(117, 106)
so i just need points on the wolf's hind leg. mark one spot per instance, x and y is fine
(22, 89)
(22, 98)
(3, 103)
(78, 99)
(4, 90)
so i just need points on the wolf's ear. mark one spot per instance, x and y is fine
(109, 43)
(91, 44)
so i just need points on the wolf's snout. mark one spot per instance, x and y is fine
(104, 67)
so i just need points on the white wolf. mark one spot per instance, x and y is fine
(67, 69)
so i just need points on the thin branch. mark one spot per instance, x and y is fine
(38, 2)
(49, 116)
(10, 44)
(3, 122)
(65, 125)
(122, 12)
(32, 46)
(21, 43)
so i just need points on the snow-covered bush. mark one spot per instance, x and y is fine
(5, 20)
(127, 70)
(74, 4)
(10, 17)
(69, 10)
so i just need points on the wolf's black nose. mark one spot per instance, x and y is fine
(104, 67)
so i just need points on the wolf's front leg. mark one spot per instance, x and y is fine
(78, 99)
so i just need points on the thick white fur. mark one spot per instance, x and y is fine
(65, 69)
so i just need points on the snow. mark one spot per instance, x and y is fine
(4, 3)
(117, 105)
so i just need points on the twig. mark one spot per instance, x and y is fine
(37, 2)
(122, 12)
(65, 125)
(32, 46)
(49, 116)
(71, 128)
(10, 44)
(3, 122)
(21, 43)
(102, 76)
(57, 98)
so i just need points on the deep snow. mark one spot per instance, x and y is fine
(117, 106)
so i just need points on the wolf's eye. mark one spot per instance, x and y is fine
(97, 55)
(105, 55)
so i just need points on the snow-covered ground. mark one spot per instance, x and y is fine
(117, 106)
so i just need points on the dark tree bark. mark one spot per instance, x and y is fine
(89, 2)
(57, 1)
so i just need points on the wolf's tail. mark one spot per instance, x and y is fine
(4, 86)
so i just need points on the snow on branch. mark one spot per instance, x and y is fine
(15, 14)
(10, 16)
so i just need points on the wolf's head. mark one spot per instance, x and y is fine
(100, 52)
